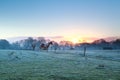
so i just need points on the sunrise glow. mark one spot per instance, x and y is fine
(75, 20)
(75, 40)
(59, 39)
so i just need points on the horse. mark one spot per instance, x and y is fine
(45, 46)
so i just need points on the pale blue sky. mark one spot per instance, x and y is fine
(78, 18)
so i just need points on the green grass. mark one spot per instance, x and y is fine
(51, 66)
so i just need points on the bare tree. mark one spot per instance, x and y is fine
(33, 46)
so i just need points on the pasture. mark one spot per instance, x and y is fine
(59, 65)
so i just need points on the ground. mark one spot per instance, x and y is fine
(60, 65)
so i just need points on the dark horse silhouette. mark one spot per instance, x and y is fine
(45, 46)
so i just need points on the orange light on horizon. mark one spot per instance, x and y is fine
(74, 39)
(77, 39)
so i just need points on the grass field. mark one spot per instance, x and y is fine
(62, 65)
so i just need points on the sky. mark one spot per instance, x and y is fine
(70, 19)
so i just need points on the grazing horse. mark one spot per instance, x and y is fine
(45, 46)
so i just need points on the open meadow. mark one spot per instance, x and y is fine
(59, 65)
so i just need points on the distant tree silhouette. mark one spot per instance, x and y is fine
(28, 43)
(16, 45)
(66, 45)
(33, 46)
(55, 46)
(116, 44)
(4, 44)
(117, 41)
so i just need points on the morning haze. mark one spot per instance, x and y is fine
(59, 39)
(67, 18)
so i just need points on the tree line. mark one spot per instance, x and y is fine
(34, 44)
(101, 44)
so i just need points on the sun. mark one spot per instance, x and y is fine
(74, 40)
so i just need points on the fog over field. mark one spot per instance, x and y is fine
(59, 39)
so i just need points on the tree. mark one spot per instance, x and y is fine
(116, 44)
(16, 45)
(66, 45)
(55, 46)
(4, 44)
(27, 43)
(33, 46)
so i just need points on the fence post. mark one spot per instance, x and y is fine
(84, 51)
